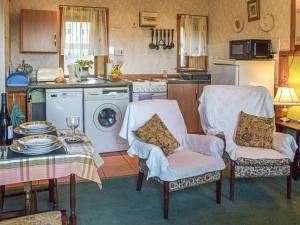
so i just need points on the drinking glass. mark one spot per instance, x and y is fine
(73, 123)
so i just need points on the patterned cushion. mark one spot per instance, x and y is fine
(254, 131)
(155, 132)
(261, 162)
(47, 218)
(186, 182)
(261, 171)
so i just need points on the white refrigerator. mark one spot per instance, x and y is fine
(244, 72)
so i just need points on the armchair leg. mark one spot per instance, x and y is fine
(219, 189)
(289, 183)
(166, 199)
(139, 181)
(232, 175)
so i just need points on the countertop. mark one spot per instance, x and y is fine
(181, 81)
(94, 83)
(84, 84)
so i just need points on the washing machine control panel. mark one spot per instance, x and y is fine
(106, 93)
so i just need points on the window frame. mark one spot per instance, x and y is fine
(97, 59)
(186, 68)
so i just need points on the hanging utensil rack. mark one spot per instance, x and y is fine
(164, 39)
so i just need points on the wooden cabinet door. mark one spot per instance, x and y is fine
(16, 96)
(39, 30)
(187, 98)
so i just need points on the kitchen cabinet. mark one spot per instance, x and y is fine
(17, 96)
(187, 95)
(39, 31)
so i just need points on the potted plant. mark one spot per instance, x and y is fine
(85, 65)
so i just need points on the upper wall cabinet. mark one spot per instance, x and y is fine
(39, 31)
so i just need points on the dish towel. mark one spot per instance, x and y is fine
(17, 116)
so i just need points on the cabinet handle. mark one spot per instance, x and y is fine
(196, 94)
(54, 40)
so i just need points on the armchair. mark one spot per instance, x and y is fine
(220, 107)
(198, 160)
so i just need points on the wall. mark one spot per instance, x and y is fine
(139, 59)
(221, 17)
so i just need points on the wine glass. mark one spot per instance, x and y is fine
(73, 123)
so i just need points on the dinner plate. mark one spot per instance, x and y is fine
(35, 125)
(42, 140)
(21, 131)
(15, 147)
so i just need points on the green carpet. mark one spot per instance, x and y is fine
(258, 201)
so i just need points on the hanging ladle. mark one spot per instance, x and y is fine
(172, 43)
(161, 41)
(165, 45)
(152, 45)
(168, 44)
(156, 37)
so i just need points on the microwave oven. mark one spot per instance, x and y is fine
(250, 49)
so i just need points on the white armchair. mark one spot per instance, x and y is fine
(198, 160)
(220, 107)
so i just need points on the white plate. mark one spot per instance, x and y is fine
(35, 125)
(18, 130)
(16, 148)
(38, 140)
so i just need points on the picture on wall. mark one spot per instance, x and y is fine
(253, 10)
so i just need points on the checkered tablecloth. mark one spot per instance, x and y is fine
(80, 159)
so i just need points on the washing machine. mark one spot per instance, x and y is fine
(104, 110)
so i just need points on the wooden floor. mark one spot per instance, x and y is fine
(116, 164)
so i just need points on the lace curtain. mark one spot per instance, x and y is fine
(193, 35)
(84, 31)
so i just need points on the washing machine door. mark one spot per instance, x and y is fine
(107, 117)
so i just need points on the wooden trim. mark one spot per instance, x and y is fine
(61, 57)
(293, 25)
(84, 6)
(178, 41)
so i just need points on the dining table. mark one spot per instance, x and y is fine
(73, 160)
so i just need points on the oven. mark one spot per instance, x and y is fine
(144, 96)
(149, 89)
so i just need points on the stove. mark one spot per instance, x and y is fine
(149, 89)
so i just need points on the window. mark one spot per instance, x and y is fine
(84, 36)
(77, 44)
(192, 43)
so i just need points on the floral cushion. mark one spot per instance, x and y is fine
(47, 218)
(254, 131)
(261, 171)
(155, 132)
(261, 162)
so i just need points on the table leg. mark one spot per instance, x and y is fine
(28, 198)
(2, 192)
(50, 185)
(73, 218)
(54, 195)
